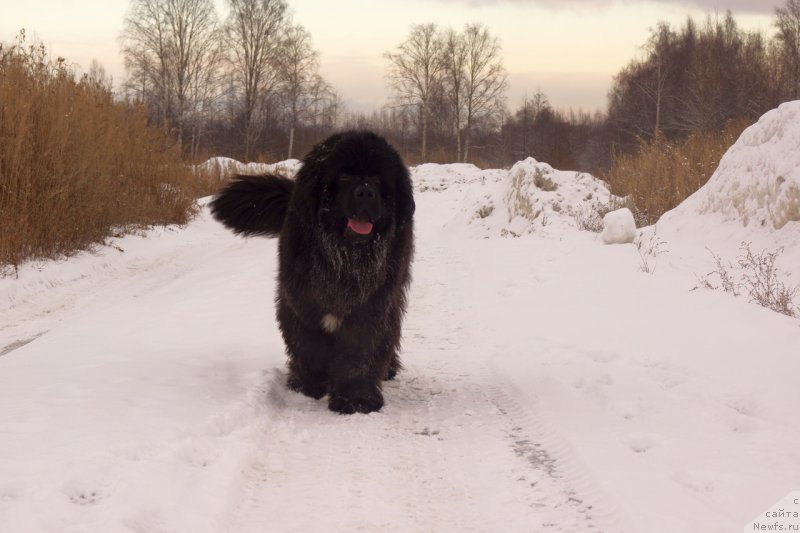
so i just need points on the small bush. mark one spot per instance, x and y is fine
(649, 251)
(76, 165)
(591, 218)
(485, 210)
(758, 278)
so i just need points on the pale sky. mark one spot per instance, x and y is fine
(568, 48)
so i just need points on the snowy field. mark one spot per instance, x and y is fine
(550, 383)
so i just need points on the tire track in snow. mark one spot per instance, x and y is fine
(318, 469)
(560, 487)
(540, 447)
(453, 449)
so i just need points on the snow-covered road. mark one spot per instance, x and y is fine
(154, 400)
(550, 385)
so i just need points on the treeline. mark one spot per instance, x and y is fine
(673, 114)
(248, 87)
(701, 76)
(696, 78)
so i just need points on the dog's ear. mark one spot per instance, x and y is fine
(405, 198)
(253, 205)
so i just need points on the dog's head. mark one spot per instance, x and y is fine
(361, 185)
(357, 203)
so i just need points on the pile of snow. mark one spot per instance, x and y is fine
(225, 167)
(619, 227)
(754, 195)
(530, 197)
(757, 182)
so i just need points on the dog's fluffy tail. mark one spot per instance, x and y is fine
(253, 205)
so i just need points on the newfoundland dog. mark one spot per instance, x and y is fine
(345, 229)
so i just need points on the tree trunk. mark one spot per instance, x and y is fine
(424, 154)
(467, 135)
(291, 141)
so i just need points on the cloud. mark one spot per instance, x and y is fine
(736, 6)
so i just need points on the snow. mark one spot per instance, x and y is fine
(225, 167)
(754, 197)
(618, 227)
(531, 197)
(758, 180)
(550, 384)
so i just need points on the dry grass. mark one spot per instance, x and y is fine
(76, 166)
(664, 173)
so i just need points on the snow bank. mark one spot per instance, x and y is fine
(757, 182)
(754, 195)
(530, 197)
(226, 167)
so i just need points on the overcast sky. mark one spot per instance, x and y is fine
(568, 48)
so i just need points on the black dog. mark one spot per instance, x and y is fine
(346, 241)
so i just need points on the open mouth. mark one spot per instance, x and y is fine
(361, 227)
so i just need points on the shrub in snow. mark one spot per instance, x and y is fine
(758, 277)
(649, 250)
(589, 219)
(619, 227)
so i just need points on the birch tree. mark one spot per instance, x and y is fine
(485, 82)
(455, 60)
(175, 43)
(415, 72)
(253, 33)
(299, 77)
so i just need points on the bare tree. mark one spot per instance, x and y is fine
(174, 43)
(254, 30)
(415, 73)
(484, 91)
(299, 78)
(787, 21)
(204, 92)
(145, 48)
(455, 61)
(194, 47)
(658, 46)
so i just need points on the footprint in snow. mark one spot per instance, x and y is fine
(642, 442)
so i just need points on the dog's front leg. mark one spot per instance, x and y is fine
(355, 376)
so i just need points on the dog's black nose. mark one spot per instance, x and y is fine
(364, 192)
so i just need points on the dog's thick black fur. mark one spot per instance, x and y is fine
(345, 228)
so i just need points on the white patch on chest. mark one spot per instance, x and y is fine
(331, 323)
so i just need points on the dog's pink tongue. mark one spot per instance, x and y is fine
(362, 227)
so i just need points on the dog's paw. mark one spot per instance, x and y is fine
(347, 405)
(395, 366)
(314, 390)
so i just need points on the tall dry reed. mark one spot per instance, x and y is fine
(663, 173)
(75, 165)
